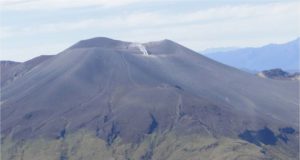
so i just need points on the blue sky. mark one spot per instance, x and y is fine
(29, 28)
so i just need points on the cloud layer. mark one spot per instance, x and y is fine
(59, 4)
(225, 25)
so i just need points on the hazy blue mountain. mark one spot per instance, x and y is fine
(219, 49)
(285, 56)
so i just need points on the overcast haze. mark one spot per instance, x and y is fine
(30, 28)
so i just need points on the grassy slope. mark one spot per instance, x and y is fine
(85, 146)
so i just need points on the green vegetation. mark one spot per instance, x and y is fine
(85, 146)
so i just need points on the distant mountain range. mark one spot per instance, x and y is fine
(109, 99)
(284, 56)
(220, 49)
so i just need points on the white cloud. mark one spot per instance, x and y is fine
(26, 53)
(59, 4)
(237, 25)
(279, 13)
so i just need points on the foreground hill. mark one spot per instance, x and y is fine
(285, 56)
(157, 100)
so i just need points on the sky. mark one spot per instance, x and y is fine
(29, 28)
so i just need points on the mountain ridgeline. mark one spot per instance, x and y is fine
(158, 100)
(285, 56)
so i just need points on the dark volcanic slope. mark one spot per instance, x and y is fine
(115, 89)
(5, 68)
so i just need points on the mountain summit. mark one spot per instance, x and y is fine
(100, 42)
(157, 100)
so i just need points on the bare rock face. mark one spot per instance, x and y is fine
(279, 74)
(121, 90)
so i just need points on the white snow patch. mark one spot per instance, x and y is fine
(142, 48)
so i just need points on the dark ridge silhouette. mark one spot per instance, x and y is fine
(153, 125)
(284, 132)
(28, 116)
(250, 137)
(287, 130)
(114, 132)
(62, 134)
(265, 136)
(279, 74)
(178, 87)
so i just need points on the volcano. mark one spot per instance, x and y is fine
(109, 99)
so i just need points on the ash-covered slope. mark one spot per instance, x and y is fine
(126, 90)
(12, 70)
